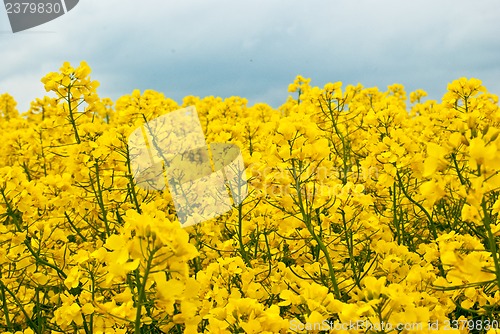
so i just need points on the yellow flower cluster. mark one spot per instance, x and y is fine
(367, 212)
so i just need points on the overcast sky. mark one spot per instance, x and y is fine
(255, 48)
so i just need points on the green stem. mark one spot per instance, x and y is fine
(5, 307)
(420, 206)
(71, 116)
(142, 291)
(455, 164)
(306, 218)
(350, 249)
(491, 241)
(27, 171)
(77, 230)
(395, 214)
(100, 199)
(10, 211)
(43, 155)
(19, 304)
(131, 184)
(243, 251)
(44, 262)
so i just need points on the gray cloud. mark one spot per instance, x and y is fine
(254, 49)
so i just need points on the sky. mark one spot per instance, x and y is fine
(255, 48)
